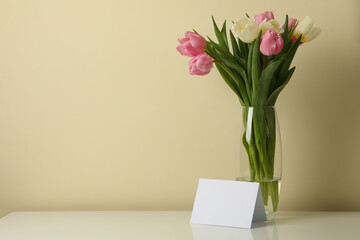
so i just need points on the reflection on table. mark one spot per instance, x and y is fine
(263, 231)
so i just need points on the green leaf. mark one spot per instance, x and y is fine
(236, 59)
(243, 48)
(249, 65)
(265, 81)
(210, 50)
(219, 35)
(292, 30)
(285, 35)
(273, 97)
(244, 89)
(223, 33)
(286, 25)
(289, 57)
(235, 47)
(230, 82)
(220, 48)
(255, 65)
(241, 61)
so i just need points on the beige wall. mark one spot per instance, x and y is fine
(98, 111)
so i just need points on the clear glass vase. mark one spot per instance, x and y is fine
(260, 154)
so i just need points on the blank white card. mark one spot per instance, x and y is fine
(228, 203)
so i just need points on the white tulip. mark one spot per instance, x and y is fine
(307, 28)
(246, 29)
(270, 25)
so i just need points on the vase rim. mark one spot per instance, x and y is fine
(258, 106)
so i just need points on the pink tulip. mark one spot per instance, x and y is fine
(271, 43)
(192, 45)
(291, 22)
(268, 15)
(200, 65)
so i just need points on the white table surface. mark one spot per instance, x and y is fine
(172, 225)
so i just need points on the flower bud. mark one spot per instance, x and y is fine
(246, 29)
(307, 29)
(192, 45)
(200, 65)
(271, 43)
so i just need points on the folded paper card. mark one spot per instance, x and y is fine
(228, 203)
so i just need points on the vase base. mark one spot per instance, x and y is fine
(270, 216)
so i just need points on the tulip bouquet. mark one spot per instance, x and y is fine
(255, 63)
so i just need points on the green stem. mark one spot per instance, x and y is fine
(261, 151)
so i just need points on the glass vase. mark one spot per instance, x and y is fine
(260, 154)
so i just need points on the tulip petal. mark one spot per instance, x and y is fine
(182, 40)
(192, 45)
(267, 16)
(200, 65)
(246, 29)
(313, 34)
(198, 42)
(307, 29)
(271, 43)
(181, 50)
